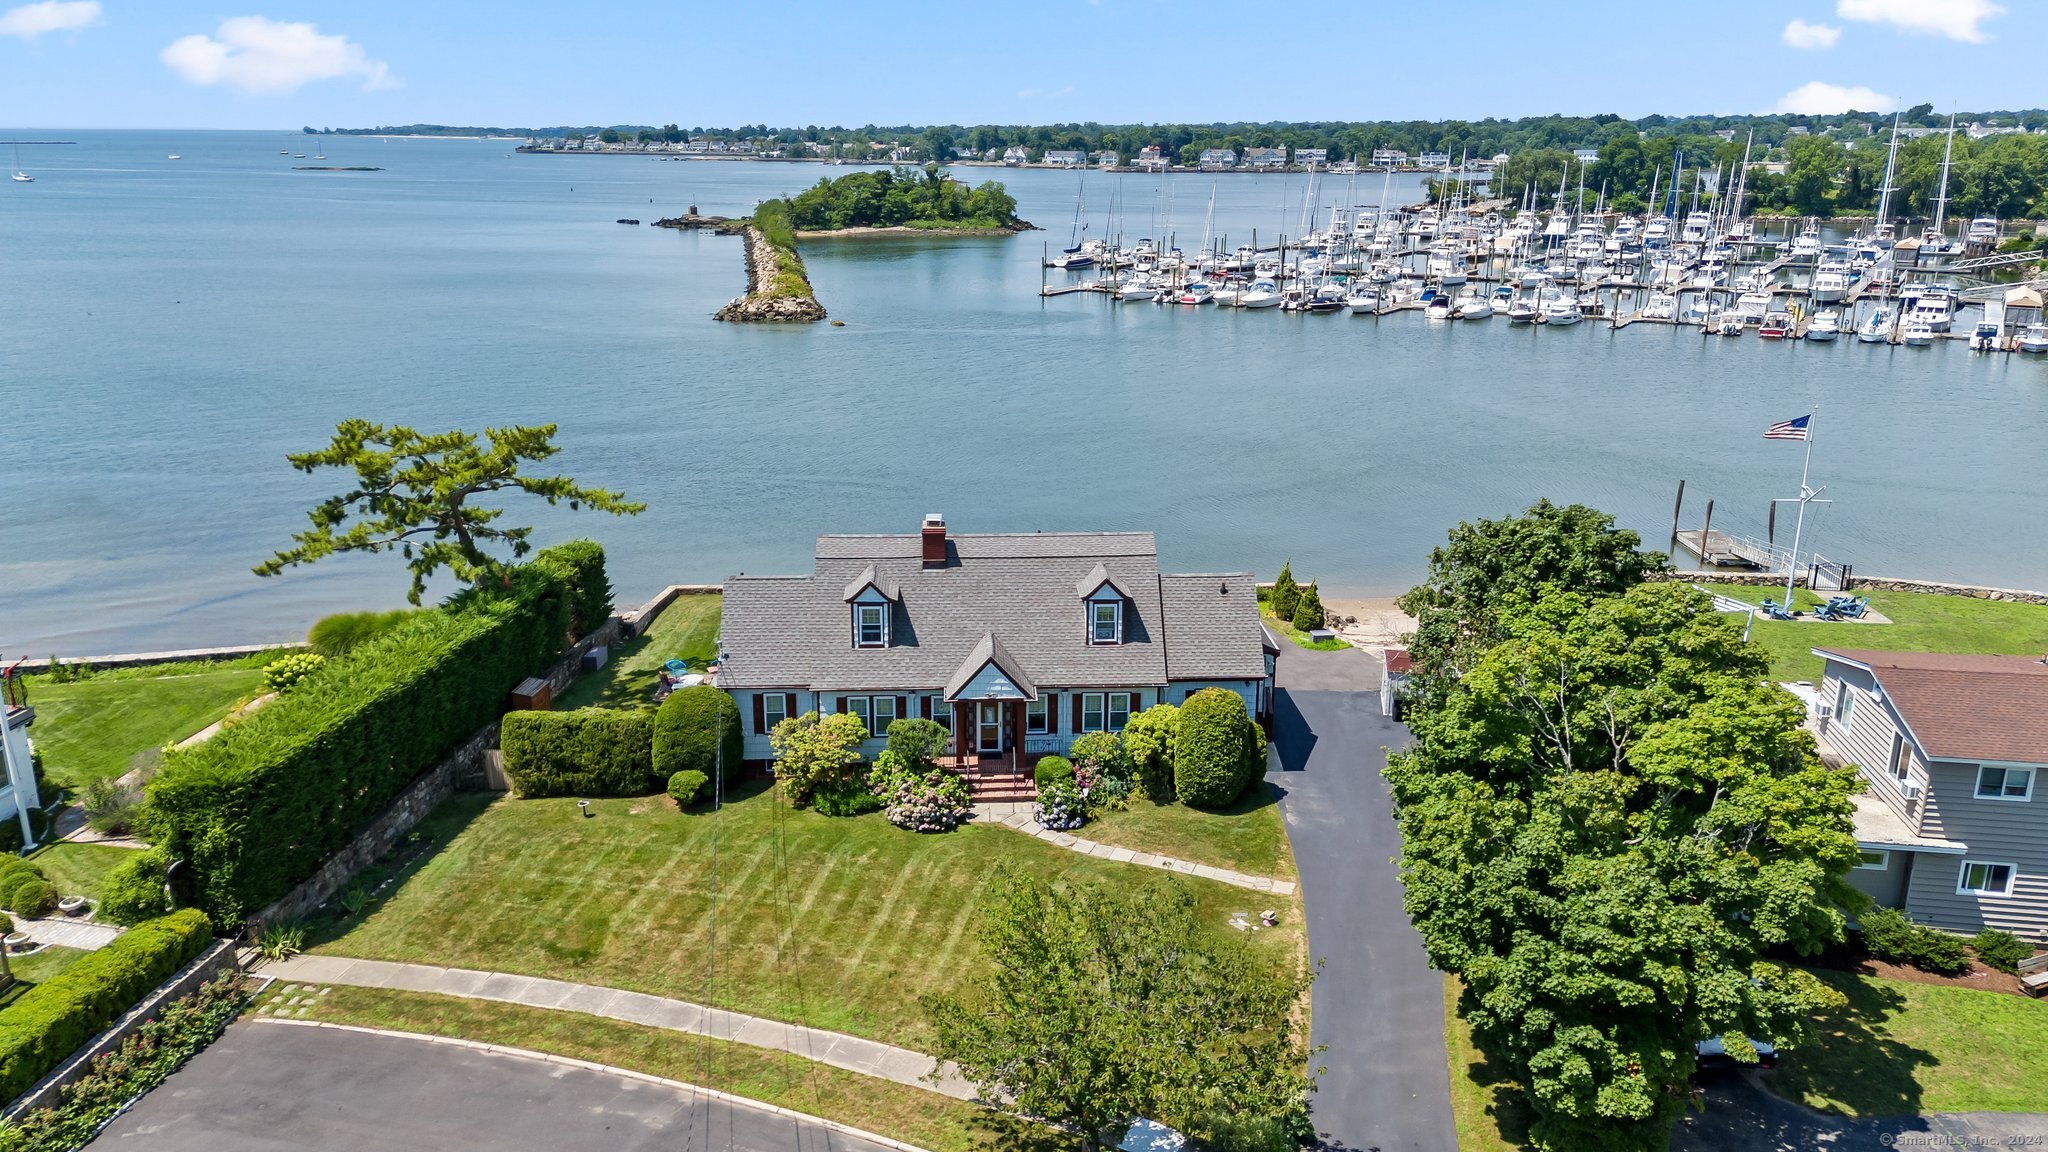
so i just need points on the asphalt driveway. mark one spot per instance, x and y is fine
(275, 1087)
(1378, 1003)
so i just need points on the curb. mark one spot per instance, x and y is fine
(593, 1066)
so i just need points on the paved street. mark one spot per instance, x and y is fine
(272, 1087)
(1742, 1116)
(1378, 1004)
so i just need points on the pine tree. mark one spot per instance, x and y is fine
(1285, 592)
(1308, 610)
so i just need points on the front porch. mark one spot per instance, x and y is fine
(993, 751)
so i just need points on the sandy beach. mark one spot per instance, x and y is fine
(1372, 624)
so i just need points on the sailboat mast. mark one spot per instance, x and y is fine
(1941, 196)
(1884, 195)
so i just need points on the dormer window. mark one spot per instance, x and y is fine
(1105, 622)
(870, 626)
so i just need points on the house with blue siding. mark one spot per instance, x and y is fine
(1954, 820)
(1016, 642)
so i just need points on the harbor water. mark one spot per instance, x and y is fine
(173, 328)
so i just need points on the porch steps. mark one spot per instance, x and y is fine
(1002, 790)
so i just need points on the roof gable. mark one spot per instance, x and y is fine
(1968, 707)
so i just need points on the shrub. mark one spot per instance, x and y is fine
(579, 566)
(1052, 770)
(344, 632)
(920, 743)
(1148, 738)
(936, 801)
(684, 786)
(812, 751)
(1213, 749)
(1101, 754)
(1061, 807)
(1108, 794)
(258, 807)
(11, 882)
(587, 752)
(851, 796)
(696, 729)
(1285, 592)
(133, 890)
(110, 806)
(284, 673)
(33, 898)
(2001, 950)
(1890, 936)
(1308, 610)
(53, 1018)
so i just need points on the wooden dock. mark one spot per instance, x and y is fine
(1724, 551)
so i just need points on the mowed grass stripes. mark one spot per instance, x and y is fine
(836, 923)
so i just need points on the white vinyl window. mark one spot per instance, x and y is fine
(1984, 879)
(863, 707)
(1119, 710)
(1091, 711)
(1996, 783)
(1902, 758)
(870, 626)
(875, 712)
(1035, 715)
(1845, 703)
(1106, 622)
(942, 713)
(1874, 860)
(774, 709)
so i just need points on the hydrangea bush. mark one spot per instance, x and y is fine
(935, 801)
(1061, 807)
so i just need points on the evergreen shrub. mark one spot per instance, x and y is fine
(689, 729)
(587, 752)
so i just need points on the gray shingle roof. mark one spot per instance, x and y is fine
(793, 631)
(990, 651)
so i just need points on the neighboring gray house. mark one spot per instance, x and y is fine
(18, 781)
(1016, 642)
(1953, 826)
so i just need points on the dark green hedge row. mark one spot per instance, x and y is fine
(53, 1018)
(588, 752)
(255, 810)
(579, 567)
(689, 729)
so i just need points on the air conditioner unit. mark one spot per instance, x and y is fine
(1911, 790)
(1824, 711)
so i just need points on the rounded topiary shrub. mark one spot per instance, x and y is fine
(34, 898)
(14, 878)
(587, 752)
(1052, 770)
(133, 891)
(1213, 749)
(693, 729)
(686, 786)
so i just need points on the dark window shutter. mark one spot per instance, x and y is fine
(789, 704)
(760, 714)
(1052, 711)
(842, 704)
(924, 706)
(903, 707)
(1077, 711)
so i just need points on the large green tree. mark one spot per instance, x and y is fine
(1608, 825)
(1103, 1004)
(416, 493)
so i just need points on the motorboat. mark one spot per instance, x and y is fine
(1362, 296)
(1231, 295)
(1199, 292)
(1139, 287)
(1728, 324)
(1876, 328)
(174, 156)
(1472, 305)
(1563, 310)
(1917, 333)
(1984, 337)
(1825, 326)
(1660, 306)
(1261, 294)
(1753, 305)
(1983, 231)
(2035, 339)
(1524, 310)
(1830, 285)
(1935, 307)
(1438, 308)
(1776, 325)
(1806, 245)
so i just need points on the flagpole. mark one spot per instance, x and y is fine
(1799, 526)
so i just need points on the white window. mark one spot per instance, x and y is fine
(862, 706)
(774, 709)
(1981, 879)
(1845, 703)
(942, 713)
(1874, 860)
(885, 714)
(870, 626)
(1119, 710)
(1106, 622)
(1035, 715)
(1996, 783)
(1901, 758)
(1091, 711)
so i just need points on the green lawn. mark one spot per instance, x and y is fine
(913, 1115)
(837, 923)
(1902, 1049)
(93, 728)
(76, 869)
(686, 629)
(1288, 631)
(30, 971)
(1921, 622)
(1247, 837)
(1489, 1111)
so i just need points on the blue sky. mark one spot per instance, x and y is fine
(283, 63)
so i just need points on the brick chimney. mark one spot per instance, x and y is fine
(934, 540)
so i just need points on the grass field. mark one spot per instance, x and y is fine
(1921, 622)
(1488, 1109)
(93, 728)
(687, 629)
(1247, 837)
(1902, 1048)
(1288, 631)
(924, 1119)
(837, 923)
(30, 971)
(76, 869)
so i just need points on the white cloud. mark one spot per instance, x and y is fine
(1955, 19)
(1800, 34)
(1819, 98)
(32, 20)
(257, 54)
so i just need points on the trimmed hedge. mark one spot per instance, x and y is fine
(588, 752)
(12, 881)
(579, 567)
(1051, 770)
(688, 728)
(51, 1020)
(1213, 750)
(684, 787)
(255, 810)
(1889, 935)
(133, 890)
(33, 899)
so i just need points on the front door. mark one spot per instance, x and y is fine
(989, 727)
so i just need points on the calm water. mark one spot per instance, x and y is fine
(173, 328)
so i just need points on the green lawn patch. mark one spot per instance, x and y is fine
(687, 629)
(77, 869)
(913, 1115)
(839, 923)
(1904, 1048)
(94, 728)
(1489, 1111)
(1249, 836)
(1920, 622)
(32, 970)
(1284, 629)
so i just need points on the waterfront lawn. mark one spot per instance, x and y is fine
(94, 728)
(77, 869)
(32, 970)
(687, 629)
(1901, 1049)
(1283, 629)
(1248, 837)
(1489, 1111)
(1920, 622)
(839, 923)
(914, 1115)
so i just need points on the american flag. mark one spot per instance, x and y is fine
(1788, 429)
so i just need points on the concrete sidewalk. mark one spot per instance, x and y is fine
(867, 1057)
(1020, 817)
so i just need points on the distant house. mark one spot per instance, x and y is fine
(1797, 130)
(1954, 822)
(1066, 157)
(1150, 156)
(1016, 642)
(1265, 157)
(19, 797)
(1433, 160)
(1389, 157)
(1317, 156)
(1585, 155)
(1107, 158)
(1215, 158)
(1016, 154)
(992, 154)
(1395, 668)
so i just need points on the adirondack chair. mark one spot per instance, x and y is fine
(1775, 611)
(1828, 613)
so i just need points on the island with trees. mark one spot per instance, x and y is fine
(904, 199)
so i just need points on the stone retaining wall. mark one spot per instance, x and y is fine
(1880, 583)
(141, 659)
(635, 622)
